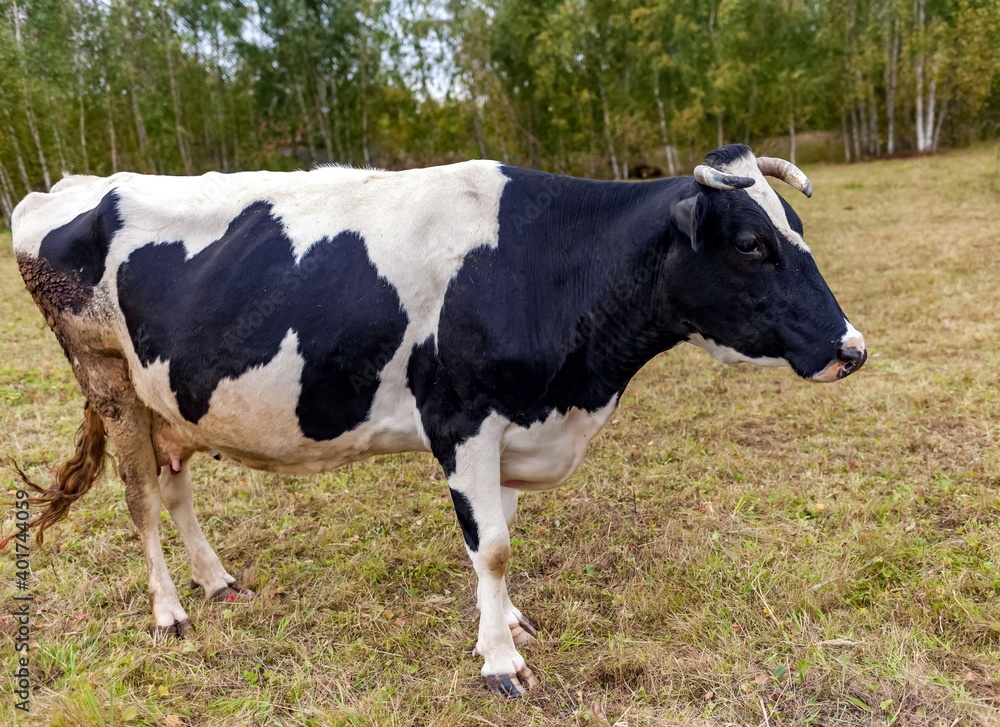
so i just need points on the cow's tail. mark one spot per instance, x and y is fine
(73, 479)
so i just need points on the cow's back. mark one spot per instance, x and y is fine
(266, 315)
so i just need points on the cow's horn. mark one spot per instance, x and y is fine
(712, 177)
(786, 172)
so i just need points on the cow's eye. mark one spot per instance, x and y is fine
(750, 247)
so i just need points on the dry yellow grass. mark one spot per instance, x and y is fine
(740, 547)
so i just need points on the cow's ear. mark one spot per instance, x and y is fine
(687, 216)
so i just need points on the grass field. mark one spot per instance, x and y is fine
(740, 547)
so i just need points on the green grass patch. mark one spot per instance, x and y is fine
(740, 547)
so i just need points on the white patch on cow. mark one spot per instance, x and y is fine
(728, 355)
(152, 384)
(547, 453)
(255, 412)
(853, 337)
(762, 193)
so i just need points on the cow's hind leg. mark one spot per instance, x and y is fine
(479, 503)
(137, 466)
(206, 568)
(521, 627)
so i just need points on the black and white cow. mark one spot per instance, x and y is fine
(491, 315)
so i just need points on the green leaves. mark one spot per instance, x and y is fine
(589, 87)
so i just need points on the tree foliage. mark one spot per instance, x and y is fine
(590, 87)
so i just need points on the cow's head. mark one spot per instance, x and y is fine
(742, 279)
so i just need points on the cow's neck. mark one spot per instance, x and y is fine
(629, 331)
(601, 245)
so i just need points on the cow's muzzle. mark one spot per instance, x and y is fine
(850, 359)
(851, 356)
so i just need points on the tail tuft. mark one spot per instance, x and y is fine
(74, 478)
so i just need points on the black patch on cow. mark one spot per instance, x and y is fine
(466, 518)
(228, 308)
(721, 158)
(79, 249)
(559, 315)
(452, 419)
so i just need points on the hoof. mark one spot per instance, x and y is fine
(511, 685)
(178, 629)
(232, 593)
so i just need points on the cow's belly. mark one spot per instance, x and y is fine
(546, 454)
(253, 419)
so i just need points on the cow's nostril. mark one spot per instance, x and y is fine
(852, 358)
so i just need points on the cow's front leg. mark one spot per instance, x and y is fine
(479, 503)
(206, 568)
(137, 468)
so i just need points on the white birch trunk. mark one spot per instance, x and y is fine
(78, 66)
(478, 127)
(338, 123)
(36, 137)
(133, 93)
(791, 127)
(505, 155)
(321, 115)
(235, 135)
(671, 169)
(19, 158)
(366, 155)
(919, 66)
(349, 139)
(929, 122)
(140, 127)
(112, 137)
(873, 122)
(28, 112)
(844, 133)
(608, 136)
(60, 149)
(83, 127)
(791, 137)
(862, 111)
(304, 118)
(220, 112)
(7, 195)
(937, 128)
(854, 130)
(891, 74)
(919, 102)
(175, 93)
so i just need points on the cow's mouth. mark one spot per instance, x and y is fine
(847, 362)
